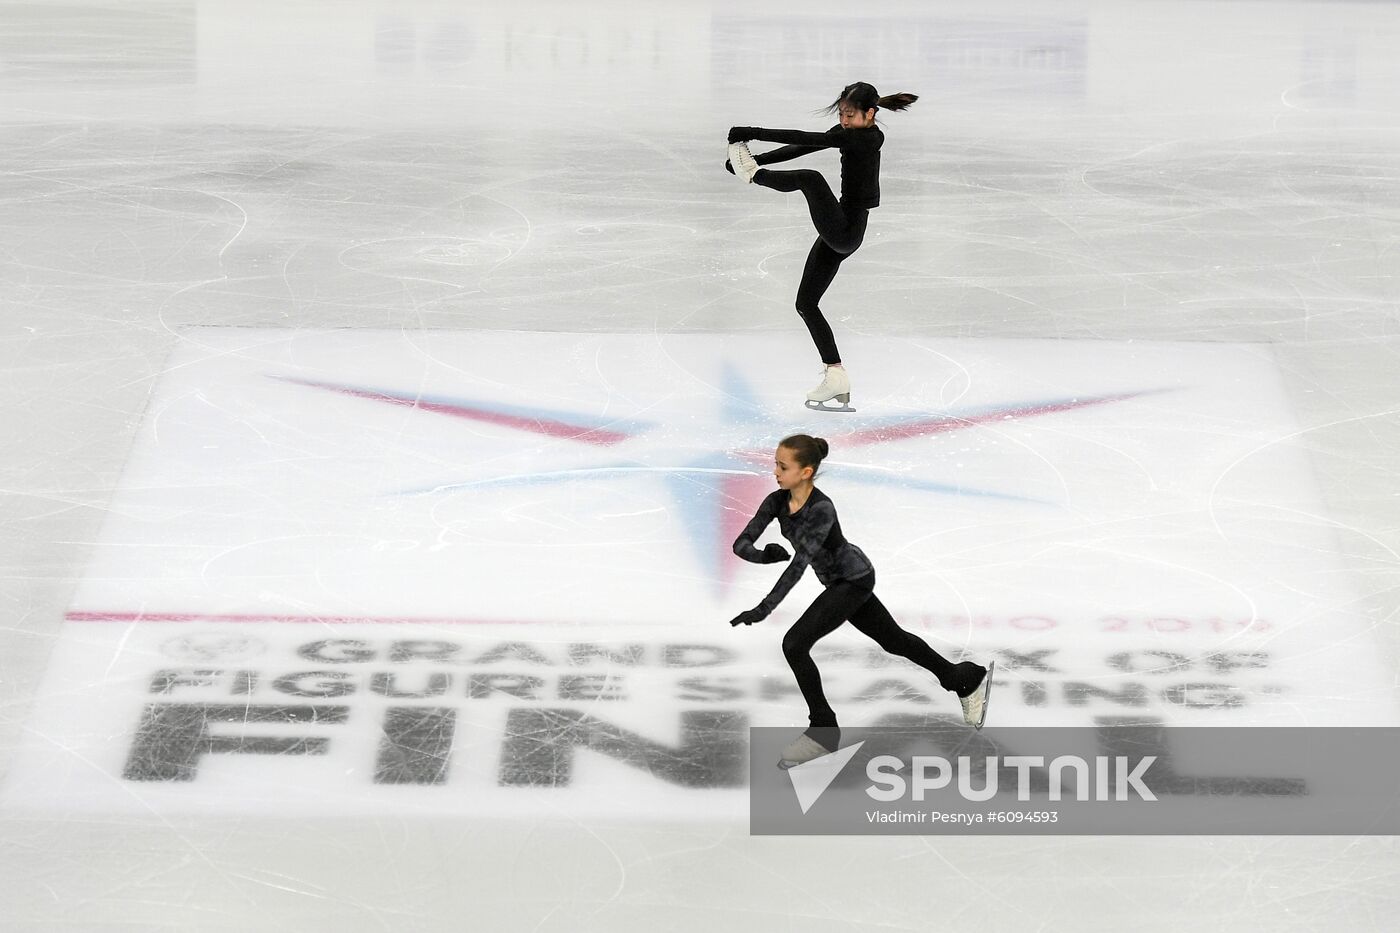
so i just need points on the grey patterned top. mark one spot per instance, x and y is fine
(815, 534)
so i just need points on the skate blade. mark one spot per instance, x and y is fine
(986, 696)
(787, 764)
(843, 404)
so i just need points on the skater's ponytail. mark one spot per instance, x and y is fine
(808, 450)
(864, 97)
(898, 101)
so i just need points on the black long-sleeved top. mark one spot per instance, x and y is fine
(860, 157)
(815, 534)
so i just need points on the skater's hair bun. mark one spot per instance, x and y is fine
(810, 451)
(863, 96)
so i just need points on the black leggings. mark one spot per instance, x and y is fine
(856, 602)
(840, 231)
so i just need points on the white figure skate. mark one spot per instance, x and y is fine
(801, 750)
(745, 166)
(836, 386)
(974, 705)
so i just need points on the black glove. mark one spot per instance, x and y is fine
(728, 167)
(740, 134)
(776, 554)
(748, 617)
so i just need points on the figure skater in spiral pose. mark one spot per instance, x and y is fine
(807, 518)
(840, 223)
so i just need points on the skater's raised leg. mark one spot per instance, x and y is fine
(841, 228)
(970, 681)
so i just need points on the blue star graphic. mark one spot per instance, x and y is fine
(717, 491)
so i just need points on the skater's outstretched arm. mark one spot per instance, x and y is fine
(811, 537)
(835, 138)
(785, 154)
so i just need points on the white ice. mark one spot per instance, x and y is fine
(1142, 174)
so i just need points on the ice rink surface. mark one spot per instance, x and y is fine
(414, 364)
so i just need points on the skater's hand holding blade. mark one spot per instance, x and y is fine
(776, 553)
(748, 617)
(740, 134)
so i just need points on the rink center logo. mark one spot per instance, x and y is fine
(253, 692)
